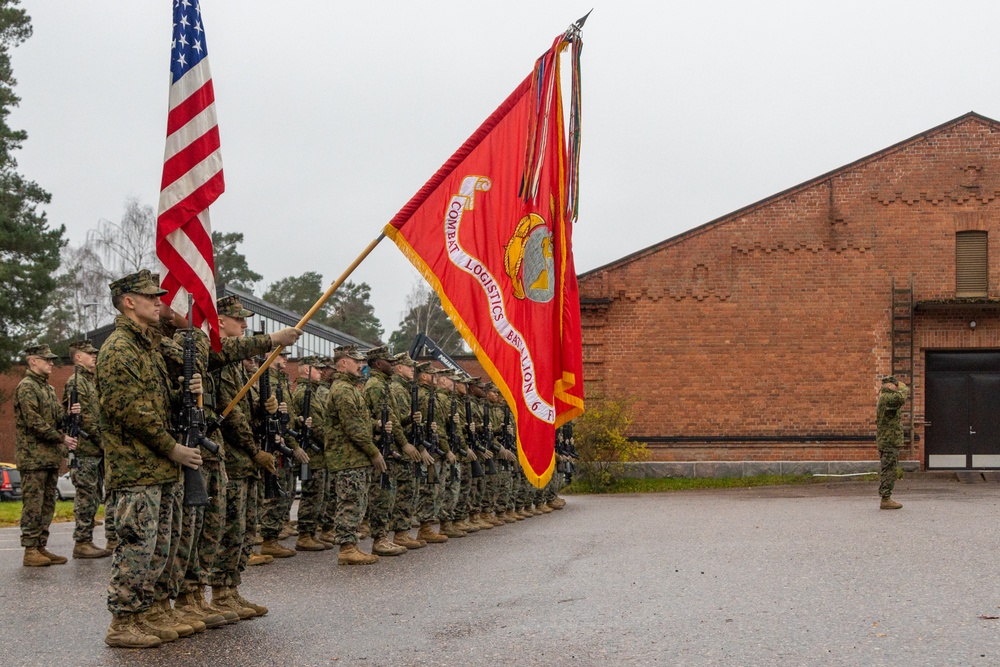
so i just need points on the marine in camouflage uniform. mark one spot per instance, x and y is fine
(136, 395)
(381, 500)
(889, 436)
(315, 490)
(429, 492)
(451, 482)
(244, 460)
(87, 469)
(405, 473)
(40, 450)
(275, 513)
(350, 452)
(326, 532)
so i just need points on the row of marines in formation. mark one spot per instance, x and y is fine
(365, 451)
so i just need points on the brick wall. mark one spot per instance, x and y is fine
(774, 321)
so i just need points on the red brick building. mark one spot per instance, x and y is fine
(762, 336)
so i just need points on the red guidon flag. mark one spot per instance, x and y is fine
(492, 233)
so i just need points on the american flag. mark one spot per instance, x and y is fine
(192, 175)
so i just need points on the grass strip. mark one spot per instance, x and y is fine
(10, 512)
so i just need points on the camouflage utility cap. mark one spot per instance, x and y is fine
(140, 282)
(83, 346)
(231, 306)
(422, 367)
(40, 351)
(403, 359)
(315, 362)
(350, 351)
(381, 352)
(890, 379)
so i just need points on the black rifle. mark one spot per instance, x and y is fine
(417, 438)
(433, 437)
(487, 435)
(385, 442)
(192, 426)
(268, 431)
(305, 474)
(304, 434)
(73, 424)
(473, 441)
(455, 438)
(507, 439)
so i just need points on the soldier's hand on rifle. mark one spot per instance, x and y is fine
(510, 429)
(388, 427)
(450, 456)
(195, 385)
(300, 455)
(487, 455)
(379, 463)
(285, 337)
(417, 417)
(74, 409)
(472, 427)
(472, 455)
(265, 460)
(434, 428)
(308, 422)
(426, 458)
(69, 442)
(186, 456)
(271, 405)
(411, 453)
(509, 455)
(283, 407)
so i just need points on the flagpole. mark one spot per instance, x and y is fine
(305, 318)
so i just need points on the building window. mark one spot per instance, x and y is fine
(971, 264)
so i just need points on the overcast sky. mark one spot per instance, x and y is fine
(333, 114)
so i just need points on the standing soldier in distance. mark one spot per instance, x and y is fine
(136, 394)
(429, 498)
(451, 477)
(316, 490)
(889, 436)
(351, 454)
(88, 472)
(41, 448)
(327, 520)
(406, 478)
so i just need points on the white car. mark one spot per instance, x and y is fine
(64, 488)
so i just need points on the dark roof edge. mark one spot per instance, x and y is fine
(971, 115)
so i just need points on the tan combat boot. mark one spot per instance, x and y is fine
(448, 528)
(187, 605)
(110, 545)
(558, 503)
(403, 539)
(479, 520)
(222, 600)
(494, 519)
(150, 623)
(56, 560)
(124, 632)
(163, 613)
(288, 530)
(258, 609)
(89, 550)
(181, 617)
(208, 608)
(544, 507)
(259, 559)
(429, 535)
(889, 504)
(34, 558)
(351, 555)
(466, 526)
(272, 548)
(384, 547)
(257, 539)
(307, 543)
(328, 536)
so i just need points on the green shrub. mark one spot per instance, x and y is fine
(602, 444)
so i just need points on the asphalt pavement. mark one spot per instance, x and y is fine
(803, 575)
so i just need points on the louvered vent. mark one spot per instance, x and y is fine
(971, 264)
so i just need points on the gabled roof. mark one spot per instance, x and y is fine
(639, 254)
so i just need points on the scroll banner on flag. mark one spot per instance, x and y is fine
(492, 232)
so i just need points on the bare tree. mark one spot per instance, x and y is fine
(425, 314)
(126, 246)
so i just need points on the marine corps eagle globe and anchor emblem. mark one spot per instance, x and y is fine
(528, 260)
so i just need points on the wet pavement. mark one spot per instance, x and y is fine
(805, 575)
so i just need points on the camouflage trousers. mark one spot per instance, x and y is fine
(889, 458)
(144, 517)
(38, 489)
(352, 500)
(86, 477)
(463, 503)
(275, 512)
(524, 491)
(381, 501)
(206, 525)
(451, 487)
(315, 492)
(328, 519)
(109, 515)
(230, 559)
(406, 495)
(477, 493)
(504, 484)
(429, 495)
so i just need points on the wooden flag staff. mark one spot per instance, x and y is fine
(305, 318)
